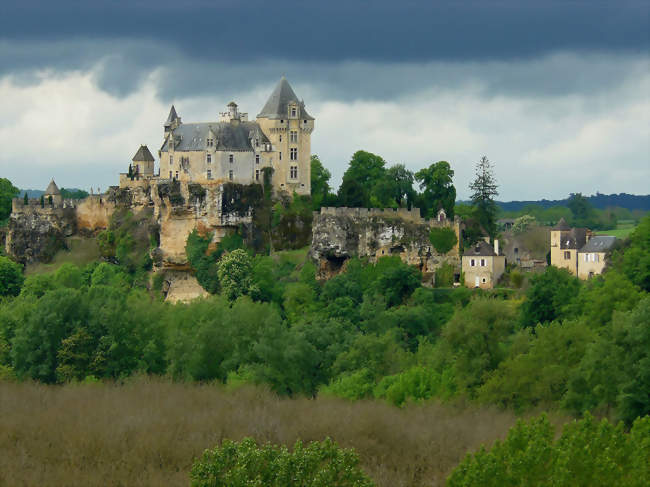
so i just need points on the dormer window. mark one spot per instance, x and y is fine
(210, 142)
(294, 112)
(257, 158)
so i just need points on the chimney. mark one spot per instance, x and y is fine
(496, 246)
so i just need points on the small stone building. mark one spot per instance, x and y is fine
(591, 257)
(483, 265)
(565, 243)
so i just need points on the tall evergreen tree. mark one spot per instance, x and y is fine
(484, 190)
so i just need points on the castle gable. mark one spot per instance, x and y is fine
(278, 103)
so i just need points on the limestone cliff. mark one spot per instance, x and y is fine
(341, 233)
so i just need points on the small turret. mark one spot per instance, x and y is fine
(143, 162)
(173, 120)
(52, 193)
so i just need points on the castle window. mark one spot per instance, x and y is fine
(231, 158)
(209, 158)
(257, 174)
(280, 155)
(230, 175)
(293, 111)
(171, 160)
(293, 136)
(472, 263)
(293, 154)
(293, 172)
(305, 121)
(257, 158)
(280, 137)
(567, 255)
(482, 262)
(209, 174)
(176, 175)
(281, 121)
(210, 142)
(170, 174)
(257, 142)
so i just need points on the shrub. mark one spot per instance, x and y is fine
(443, 239)
(11, 277)
(244, 464)
(587, 454)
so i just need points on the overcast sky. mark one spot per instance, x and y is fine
(555, 93)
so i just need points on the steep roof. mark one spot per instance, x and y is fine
(229, 136)
(575, 239)
(277, 104)
(143, 155)
(172, 116)
(52, 189)
(599, 243)
(481, 249)
(562, 225)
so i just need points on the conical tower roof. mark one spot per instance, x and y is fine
(143, 155)
(562, 225)
(276, 105)
(172, 115)
(52, 189)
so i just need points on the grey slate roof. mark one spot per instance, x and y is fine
(172, 116)
(52, 189)
(143, 154)
(480, 249)
(562, 225)
(575, 239)
(229, 136)
(276, 105)
(600, 243)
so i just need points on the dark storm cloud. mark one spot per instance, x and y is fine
(377, 30)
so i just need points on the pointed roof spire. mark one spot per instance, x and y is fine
(172, 115)
(52, 189)
(562, 225)
(143, 155)
(276, 105)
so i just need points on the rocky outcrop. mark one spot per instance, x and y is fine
(341, 233)
(35, 234)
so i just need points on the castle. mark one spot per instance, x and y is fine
(234, 149)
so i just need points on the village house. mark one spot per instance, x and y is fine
(591, 257)
(483, 265)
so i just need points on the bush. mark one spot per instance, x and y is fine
(443, 239)
(244, 464)
(587, 454)
(11, 277)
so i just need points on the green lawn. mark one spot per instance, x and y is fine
(623, 229)
(82, 251)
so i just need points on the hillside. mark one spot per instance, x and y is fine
(600, 201)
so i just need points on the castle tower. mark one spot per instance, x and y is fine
(173, 120)
(143, 162)
(53, 192)
(288, 126)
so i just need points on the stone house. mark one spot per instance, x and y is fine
(591, 257)
(483, 265)
(565, 244)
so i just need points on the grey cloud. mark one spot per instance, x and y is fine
(377, 31)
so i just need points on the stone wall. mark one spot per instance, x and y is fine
(341, 233)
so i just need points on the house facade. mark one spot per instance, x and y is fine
(483, 265)
(591, 257)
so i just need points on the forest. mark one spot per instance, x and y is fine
(372, 333)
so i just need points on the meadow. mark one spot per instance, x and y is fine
(148, 431)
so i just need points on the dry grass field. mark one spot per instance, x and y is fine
(148, 431)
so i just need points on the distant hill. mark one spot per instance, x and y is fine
(601, 201)
(65, 192)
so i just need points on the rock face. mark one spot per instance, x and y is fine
(341, 233)
(36, 234)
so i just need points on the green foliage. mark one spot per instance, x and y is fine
(436, 182)
(632, 258)
(243, 464)
(235, 274)
(11, 277)
(588, 454)
(445, 275)
(547, 295)
(7, 192)
(203, 262)
(443, 239)
(75, 194)
(364, 172)
(484, 190)
(522, 224)
(321, 192)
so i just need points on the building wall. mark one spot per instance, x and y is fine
(585, 268)
(557, 254)
(488, 275)
(279, 133)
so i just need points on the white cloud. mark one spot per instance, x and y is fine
(544, 144)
